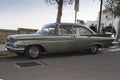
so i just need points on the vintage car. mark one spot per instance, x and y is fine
(57, 38)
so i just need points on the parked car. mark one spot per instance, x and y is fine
(57, 38)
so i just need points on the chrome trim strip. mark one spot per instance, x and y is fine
(57, 41)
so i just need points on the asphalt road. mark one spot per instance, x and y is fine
(73, 66)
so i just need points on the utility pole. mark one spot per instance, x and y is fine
(99, 25)
(75, 16)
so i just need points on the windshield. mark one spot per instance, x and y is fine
(49, 29)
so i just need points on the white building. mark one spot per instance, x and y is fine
(106, 20)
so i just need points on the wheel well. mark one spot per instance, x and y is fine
(98, 44)
(42, 48)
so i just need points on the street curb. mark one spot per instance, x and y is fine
(6, 53)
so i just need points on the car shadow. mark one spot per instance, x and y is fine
(60, 55)
(48, 56)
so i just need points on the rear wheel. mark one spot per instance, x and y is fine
(33, 52)
(94, 49)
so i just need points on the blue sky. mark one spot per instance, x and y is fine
(34, 13)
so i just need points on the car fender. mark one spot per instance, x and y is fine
(43, 49)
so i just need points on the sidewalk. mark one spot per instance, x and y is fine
(2, 47)
(4, 52)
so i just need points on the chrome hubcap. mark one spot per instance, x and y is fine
(94, 48)
(34, 51)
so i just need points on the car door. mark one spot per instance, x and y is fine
(83, 39)
(63, 42)
(66, 37)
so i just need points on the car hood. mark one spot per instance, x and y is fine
(24, 36)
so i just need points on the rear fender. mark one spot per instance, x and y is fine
(100, 45)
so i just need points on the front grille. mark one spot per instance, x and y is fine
(10, 42)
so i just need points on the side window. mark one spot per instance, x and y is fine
(85, 31)
(49, 31)
(67, 30)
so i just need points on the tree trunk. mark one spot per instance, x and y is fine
(59, 13)
(118, 32)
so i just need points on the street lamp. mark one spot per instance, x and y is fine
(99, 25)
(76, 8)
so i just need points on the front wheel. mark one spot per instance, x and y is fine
(33, 52)
(94, 49)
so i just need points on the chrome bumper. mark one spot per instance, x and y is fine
(15, 49)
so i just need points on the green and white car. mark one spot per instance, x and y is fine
(57, 38)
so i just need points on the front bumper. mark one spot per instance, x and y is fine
(15, 49)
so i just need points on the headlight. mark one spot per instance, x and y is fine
(18, 43)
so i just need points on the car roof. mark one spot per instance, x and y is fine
(51, 24)
(71, 24)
